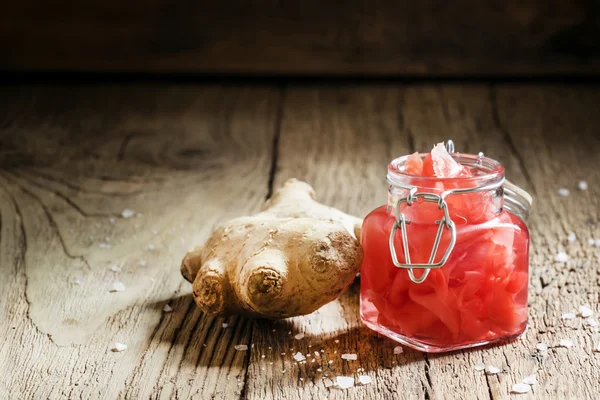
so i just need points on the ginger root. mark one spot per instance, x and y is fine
(288, 260)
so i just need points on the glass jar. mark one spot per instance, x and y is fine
(445, 262)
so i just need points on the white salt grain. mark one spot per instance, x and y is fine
(143, 263)
(78, 282)
(225, 325)
(115, 268)
(344, 382)
(398, 350)
(299, 357)
(104, 245)
(568, 316)
(592, 322)
(336, 341)
(541, 346)
(118, 287)
(561, 257)
(591, 241)
(585, 311)
(565, 343)
(521, 388)
(479, 367)
(241, 347)
(572, 237)
(597, 242)
(299, 336)
(150, 247)
(118, 347)
(582, 185)
(530, 380)
(364, 379)
(563, 192)
(492, 370)
(167, 308)
(112, 220)
(330, 361)
(349, 357)
(127, 213)
(596, 348)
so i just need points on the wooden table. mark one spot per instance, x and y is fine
(185, 157)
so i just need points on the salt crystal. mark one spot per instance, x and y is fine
(104, 245)
(591, 241)
(561, 257)
(521, 388)
(319, 370)
(118, 347)
(568, 316)
(530, 380)
(127, 213)
(364, 379)
(398, 350)
(541, 346)
(563, 192)
(167, 308)
(262, 356)
(115, 268)
(241, 347)
(225, 325)
(112, 220)
(143, 263)
(597, 242)
(118, 287)
(344, 382)
(78, 282)
(299, 336)
(336, 341)
(299, 357)
(349, 357)
(317, 354)
(596, 348)
(592, 322)
(479, 366)
(150, 247)
(565, 343)
(582, 185)
(492, 370)
(330, 361)
(585, 311)
(572, 237)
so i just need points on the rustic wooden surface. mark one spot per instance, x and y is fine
(185, 157)
(356, 37)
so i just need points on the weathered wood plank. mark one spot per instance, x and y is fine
(72, 159)
(385, 37)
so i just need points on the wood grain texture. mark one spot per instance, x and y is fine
(358, 37)
(72, 158)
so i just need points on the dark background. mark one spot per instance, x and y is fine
(303, 38)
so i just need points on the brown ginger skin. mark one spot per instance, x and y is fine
(288, 260)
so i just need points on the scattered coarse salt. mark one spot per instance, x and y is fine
(596, 348)
(143, 263)
(364, 379)
(492, 370)
(78, 282)
(118, 287)
(561, 257)
(241, 347)
(541, 346)
(115, 268)
(299, 357)
(521, 388)
(398, 350)
(319, 370)
(568, 316)
(530, 380)
(262, 356)
(330, 361)
(591, 241)
(565, 343)
(479, 367)
(127, 213)
(118, 347)
(585, 311)
(563, 192)
(592, 322)
(597, 242)
(571, 237)
(299, 336)
(344, 382)
(349, 357)
(336, 340)
(167, 308)
(224, 324)
(112, 220)
(104, 245)
(150, 247)
(582, 185)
